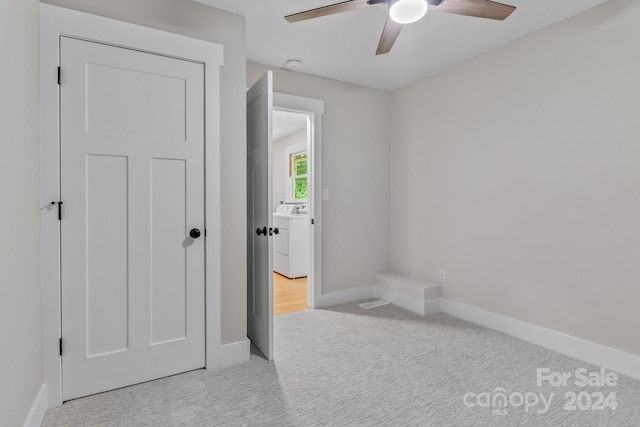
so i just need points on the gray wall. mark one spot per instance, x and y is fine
(280, 165)
(518, 173)
(21, 355)
(206, 23)
(355, 170)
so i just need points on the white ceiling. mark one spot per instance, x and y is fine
(286, 123)
(342, 46)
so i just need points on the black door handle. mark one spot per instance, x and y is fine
(194, 233)
(262, 230)
(273, 231)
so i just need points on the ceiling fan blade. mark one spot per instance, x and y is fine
(345, 6)
(477, 8)
(389, 36)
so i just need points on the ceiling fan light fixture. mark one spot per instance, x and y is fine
(407, 11)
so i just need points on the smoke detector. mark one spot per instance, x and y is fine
(294, 64)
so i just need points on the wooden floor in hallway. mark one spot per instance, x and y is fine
(289, 295)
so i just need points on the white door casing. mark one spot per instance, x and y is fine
(132, 181)
(259, 219)
(58, 22)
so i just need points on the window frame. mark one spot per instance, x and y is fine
(290, 152)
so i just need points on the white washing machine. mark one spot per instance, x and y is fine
(291, 244)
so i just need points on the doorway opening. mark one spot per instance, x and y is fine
(292, 161)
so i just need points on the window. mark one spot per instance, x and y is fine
(298, 166)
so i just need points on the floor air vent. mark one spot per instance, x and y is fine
(374, 304)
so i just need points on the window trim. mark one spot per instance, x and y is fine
(289, 152)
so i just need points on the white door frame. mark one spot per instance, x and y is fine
(57, 22)
(314, 108)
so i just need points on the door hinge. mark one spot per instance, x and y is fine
(60, 346)
(59, 76)
(313, 221)
(59, 211)
(205, 232)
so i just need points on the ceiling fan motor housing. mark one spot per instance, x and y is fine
(431, 2)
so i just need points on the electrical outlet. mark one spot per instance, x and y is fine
(443, 276)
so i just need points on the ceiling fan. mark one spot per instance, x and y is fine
(406, 11)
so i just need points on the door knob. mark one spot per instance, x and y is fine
(262, 230)
(194, 233)
(273, 231)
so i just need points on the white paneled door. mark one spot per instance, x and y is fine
(132, 183)
(259, 219)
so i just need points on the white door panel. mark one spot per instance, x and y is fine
(132, 181)
(168, 225)
(106, 240)
(259, 209)
(116, 96)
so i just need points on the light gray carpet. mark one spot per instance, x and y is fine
(347, 366)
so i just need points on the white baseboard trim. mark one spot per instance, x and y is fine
(408, 303)
(578, 348)
(38, 409)
(344, 297)
(234, 354)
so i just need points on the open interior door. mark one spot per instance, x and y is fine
(259, 215)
